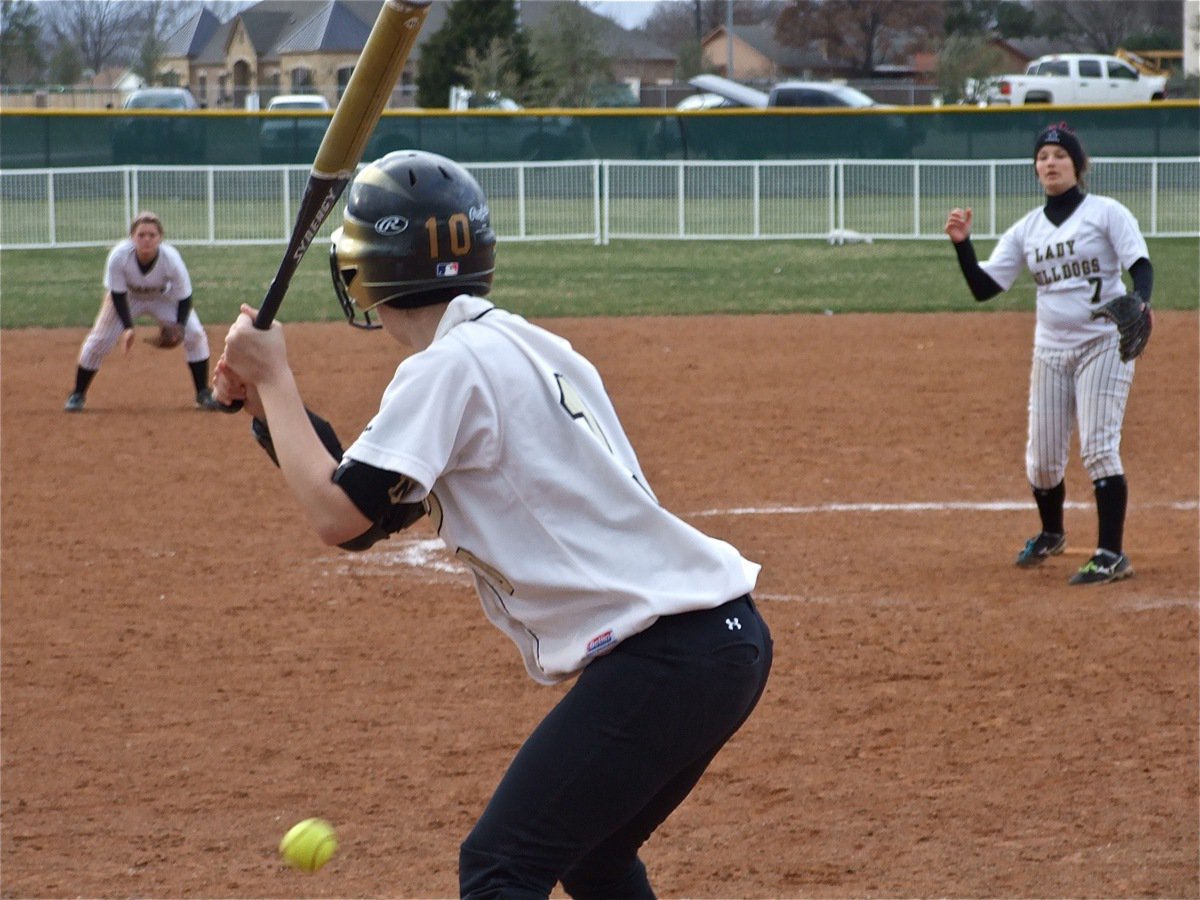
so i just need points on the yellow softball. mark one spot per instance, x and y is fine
(308, 845)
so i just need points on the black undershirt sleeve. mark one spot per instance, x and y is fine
(185, 309)
(375, 492)
(1142, 274)
(980, 282)
(324, 431)
(121, 305)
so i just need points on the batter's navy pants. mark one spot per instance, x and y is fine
(615, 756)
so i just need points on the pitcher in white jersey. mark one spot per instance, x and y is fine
(1076, 247)
(144, 275)
(507, 438)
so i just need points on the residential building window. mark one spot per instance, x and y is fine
(301, 78)
(202, 88)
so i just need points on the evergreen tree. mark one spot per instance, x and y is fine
(21, 59)
(571, 65)
(471, 25)
(491, 72)
(965, 62)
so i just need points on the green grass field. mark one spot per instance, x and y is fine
(61, 288)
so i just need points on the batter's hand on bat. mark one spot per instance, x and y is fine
(252, 355)
(958, 224)
(227, 388)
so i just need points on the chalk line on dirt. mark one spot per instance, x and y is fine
(930, 506)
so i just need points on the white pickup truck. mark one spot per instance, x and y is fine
(1079, 78)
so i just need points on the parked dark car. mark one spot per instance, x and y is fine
(170, 138)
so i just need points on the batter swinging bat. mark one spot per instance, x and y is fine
(387, 48)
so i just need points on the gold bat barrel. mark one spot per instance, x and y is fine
(392, 38)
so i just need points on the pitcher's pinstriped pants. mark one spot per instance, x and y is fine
(1089, 384)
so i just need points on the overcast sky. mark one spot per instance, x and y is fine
(628, 13)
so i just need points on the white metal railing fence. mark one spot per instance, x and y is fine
(600, 200)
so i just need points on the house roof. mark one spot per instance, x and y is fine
(266, 27)
(762, 39)
(305, 26)
(334, 29)
(1033, 47)
(192, 37)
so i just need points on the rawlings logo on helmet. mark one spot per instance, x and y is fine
(375, 258)
(390, 226)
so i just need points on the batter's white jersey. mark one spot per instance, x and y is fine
(533, 483)
(167, 279)
(1076, 265)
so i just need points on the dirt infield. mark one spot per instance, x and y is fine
(187, 671)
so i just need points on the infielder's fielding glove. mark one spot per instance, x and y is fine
(168, 336)
(1134, 320)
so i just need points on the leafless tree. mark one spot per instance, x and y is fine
(101, 31)
(1103, 25)
(860, 33)
(159, 20)
(673, 24)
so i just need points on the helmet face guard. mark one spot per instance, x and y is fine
(416, 230)
(339, 288)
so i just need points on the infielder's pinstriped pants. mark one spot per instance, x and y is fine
(107, 330)
(1089, 383)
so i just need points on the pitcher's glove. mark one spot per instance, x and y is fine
(168, 336)
(1134, 320)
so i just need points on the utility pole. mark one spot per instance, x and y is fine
(729, 39)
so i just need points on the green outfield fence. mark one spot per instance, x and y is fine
(601, 200)
(54, 139)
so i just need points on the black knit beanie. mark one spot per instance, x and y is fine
(1061, 134)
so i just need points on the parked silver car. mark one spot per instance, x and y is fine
(161, 98)
(817, 94)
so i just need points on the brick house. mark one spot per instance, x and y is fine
(300, 46)
(759, 58)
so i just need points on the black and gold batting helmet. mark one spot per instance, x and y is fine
(416, 231)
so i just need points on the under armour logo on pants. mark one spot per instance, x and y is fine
(733, 623)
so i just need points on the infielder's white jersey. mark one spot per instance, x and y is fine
(1076, 265)
(167, 279)
(533, 483)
